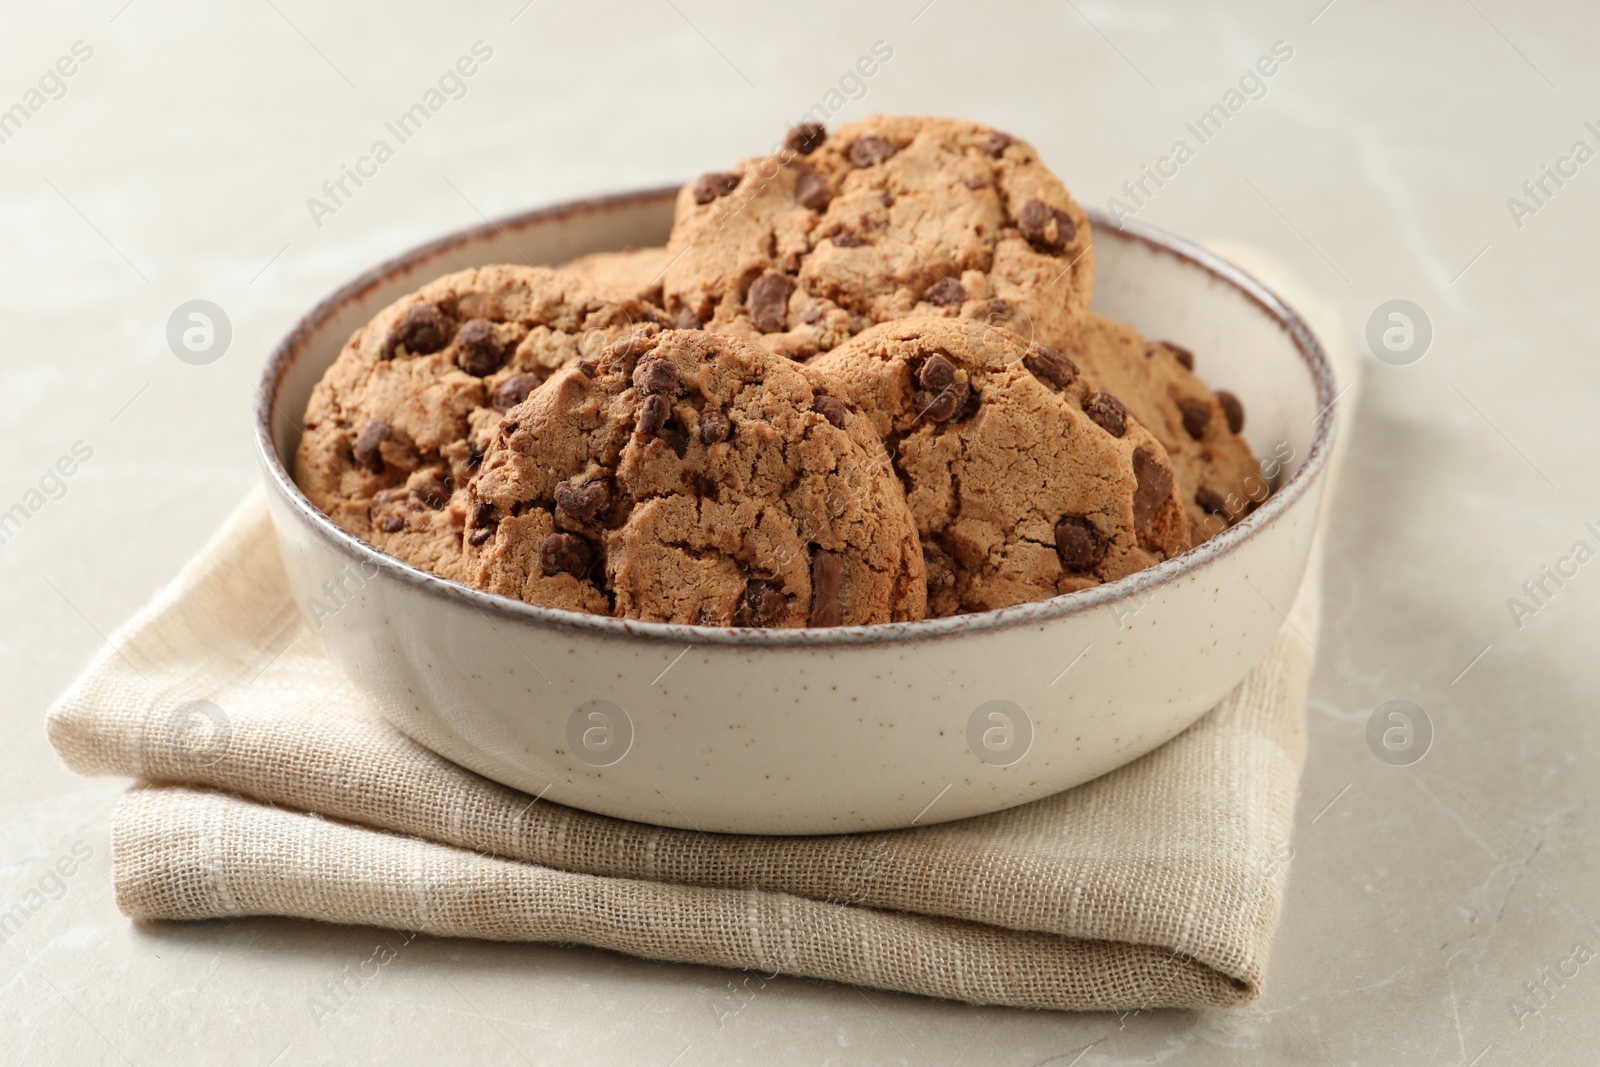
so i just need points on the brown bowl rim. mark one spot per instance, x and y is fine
(295, 342)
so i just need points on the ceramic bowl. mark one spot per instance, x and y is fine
(825, 730)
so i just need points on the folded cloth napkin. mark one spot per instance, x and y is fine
(269, 787)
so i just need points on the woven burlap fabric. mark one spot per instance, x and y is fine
(282, 793)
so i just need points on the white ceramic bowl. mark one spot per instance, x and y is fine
(826, 730)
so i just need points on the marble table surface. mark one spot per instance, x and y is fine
(1441, 912)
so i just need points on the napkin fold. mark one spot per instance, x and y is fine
(268, 786)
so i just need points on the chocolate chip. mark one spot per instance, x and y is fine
(946, 292)
(513, 391)
(434, 490)
(653, 415)
(481, 522)
(812, 190)
(831, 408)
(477, 351)
(1108, 413)
(937, 373)
(997, 309)
(1179, 353)
(843, 238)
(827, 589)
(708, 187)
(996, 143)
(941, 567)
(1196, 415)
(564, 553)
(1152, 485)
(714, 427)
(1050, 366)
(388, 510)
(871, 150)
(936, 407)
(422, 329)
(583, 502)
(943, 404)
(658, 376)
(768, 301)
(1079, 544)
(366, 449)
(1211, 500)
(1232, 408)
(705, 486)
(806, 138)
(761, 605)
(677, 440)
(1046, 228)
(686, 319)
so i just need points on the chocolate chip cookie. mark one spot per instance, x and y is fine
(1218, 477)
(632, 274)
(1025, 476)
(881, 219)
(691, 477)
(399, 422)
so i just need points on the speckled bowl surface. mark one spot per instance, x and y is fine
(824, 730)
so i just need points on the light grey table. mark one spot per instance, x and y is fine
(176, 163)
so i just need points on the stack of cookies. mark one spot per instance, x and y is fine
(861, 384)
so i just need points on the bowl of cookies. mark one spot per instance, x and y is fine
(865, 484)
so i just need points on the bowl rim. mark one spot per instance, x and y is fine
(296, 341)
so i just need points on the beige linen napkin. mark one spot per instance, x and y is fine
(269, 787)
